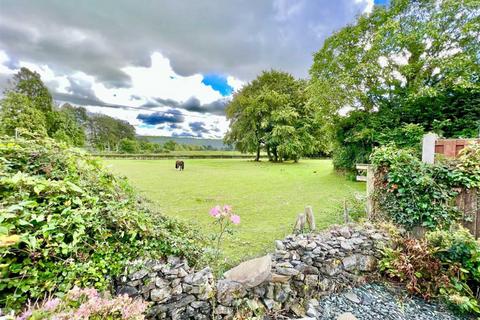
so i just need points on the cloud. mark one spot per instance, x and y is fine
(235, 37)
(170, 116)
(198, 128)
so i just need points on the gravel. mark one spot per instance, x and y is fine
(376, 301)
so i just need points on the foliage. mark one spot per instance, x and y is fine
(271, 113)
(72, 223)
(445, 265)
(413, 62)
(86, 303)
(19, 114)
(107, 132)
(414, 193)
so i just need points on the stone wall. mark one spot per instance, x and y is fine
(302, 268)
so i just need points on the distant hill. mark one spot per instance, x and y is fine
(214, 143)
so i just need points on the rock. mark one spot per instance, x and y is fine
(346, 245)
(278, 278)
(198, 277)
(222, 310)
(287, 271)
(140, 274)
(345, 232)
(251, 273)
(160, 295)
(347, 316)
(332, 267)
(298, 310)
(352, 297)
(160, 282)
(228, 290)
(367, 263)
(350, 263)
(312, 312)
(128, 290)
(271, 304)
(177, 290)
(279, 245)
(303, 243)
(311, 280)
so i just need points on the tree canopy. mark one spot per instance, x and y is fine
(271, 113)
(413, 62)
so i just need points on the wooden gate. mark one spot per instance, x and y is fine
(468, 202)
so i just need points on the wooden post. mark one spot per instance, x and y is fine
(300, 223)
(370, 192)
(310, 218)
(346, 217)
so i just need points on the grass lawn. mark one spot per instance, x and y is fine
(267, 196)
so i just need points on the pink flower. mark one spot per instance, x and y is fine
(215, 211)
(51, 305)
(235, 219)
(227, 208)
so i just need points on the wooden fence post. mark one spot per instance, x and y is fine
(299, 223)
(310, 217)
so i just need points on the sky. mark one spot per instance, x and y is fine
(167, 67)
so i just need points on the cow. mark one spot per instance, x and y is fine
(179, 165)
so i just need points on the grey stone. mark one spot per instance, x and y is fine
(346, 316)
(140, 274)
(352, 297)
(228, 290)
(223, 310)
(251, 273)
(287, 271)
(346, 245)
(198, 277)
(367, 263)
(160, 295)
(160, 282)
(350, 262)
(279, 245)
(128, 290)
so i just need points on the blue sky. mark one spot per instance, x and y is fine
(218, 83)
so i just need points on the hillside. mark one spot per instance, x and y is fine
(214, 143)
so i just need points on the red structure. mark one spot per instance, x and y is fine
(451, 147)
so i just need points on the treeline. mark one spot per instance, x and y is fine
(28, 106)
(396, 73)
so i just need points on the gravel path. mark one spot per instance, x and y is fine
(375, 301)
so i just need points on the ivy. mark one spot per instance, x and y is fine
(414, 193)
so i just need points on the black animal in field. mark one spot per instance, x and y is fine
(179, 165)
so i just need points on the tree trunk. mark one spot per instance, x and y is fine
(269, 154)
(275, 154)
(257, 158)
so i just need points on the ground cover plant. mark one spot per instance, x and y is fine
(444, 265)
(65, 221)
(267, 196)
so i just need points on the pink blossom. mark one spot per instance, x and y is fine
(227, 208)
(51, 305)
(215, 211)
(235, 219)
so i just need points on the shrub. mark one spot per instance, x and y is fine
(65, 221)
(414, 193)
(445, 265)
(86, 304)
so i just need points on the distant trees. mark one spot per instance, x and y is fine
(28, 105)
(270, 113)
(410, 63)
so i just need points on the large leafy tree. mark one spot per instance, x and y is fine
(271, 113)
(107, 132)
(18, 113)
(392, 61)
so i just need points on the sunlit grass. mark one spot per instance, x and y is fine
(267, 196)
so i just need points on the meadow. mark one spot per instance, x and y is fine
(267, 196)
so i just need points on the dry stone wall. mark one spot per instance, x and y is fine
(302, 268)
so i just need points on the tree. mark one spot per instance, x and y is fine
(106, 132)
(390, 61)
(18, 112)
(129, 146)
(170, 145)
(64, 127)
(271, 113)
(30, 84)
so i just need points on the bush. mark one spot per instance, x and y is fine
(413, 193)
(445, 265)
(65, 221)
(86, 304)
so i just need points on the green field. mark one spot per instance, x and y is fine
(267, 196)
